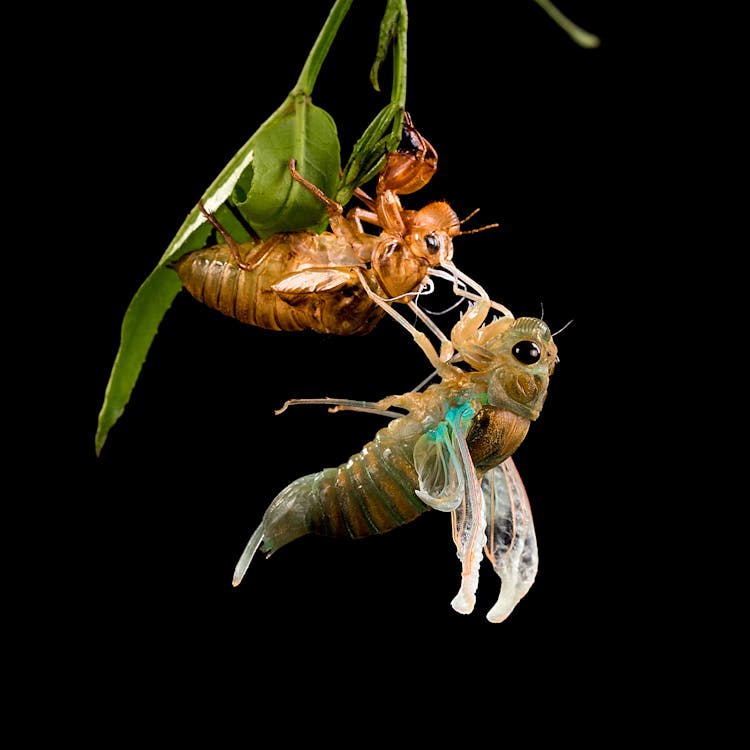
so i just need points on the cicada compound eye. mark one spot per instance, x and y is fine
(527, 352)
(432, 243)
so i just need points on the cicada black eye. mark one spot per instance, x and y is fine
(432, 243)
(527, 352)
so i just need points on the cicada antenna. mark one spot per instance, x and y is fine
(478, 229)
(560, 330)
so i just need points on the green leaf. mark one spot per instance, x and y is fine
(369, 152)
(230, 191)
(275, 202)
(154, 297)
(392, 29)
(256, 188)
(138, 329)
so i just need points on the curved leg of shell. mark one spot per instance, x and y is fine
(421, 340)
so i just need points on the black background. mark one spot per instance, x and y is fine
(549, 140)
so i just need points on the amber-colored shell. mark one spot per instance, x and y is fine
(283, 292)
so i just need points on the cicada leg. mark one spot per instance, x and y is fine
(446, 348)
(385, 211)
(343, 404)
(435, 359)
(331, 204)
(358, 215)
(340, 225)
(264, 248)
(453, 274)
(365, 198)
(467, 334)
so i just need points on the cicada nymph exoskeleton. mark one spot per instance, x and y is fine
(451, 450)
(305, 280)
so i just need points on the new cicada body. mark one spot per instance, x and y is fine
(305, 280)
(450, 451)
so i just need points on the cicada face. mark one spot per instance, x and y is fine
(401, 264)
(525, 356)
(430, 232)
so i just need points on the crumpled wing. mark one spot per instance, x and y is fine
(511, 544)
(439, 469)
(469, 531)
(315, 280)
(449, 482)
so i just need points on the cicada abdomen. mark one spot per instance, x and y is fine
(289, 282)
(373, 492)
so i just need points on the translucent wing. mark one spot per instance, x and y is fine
(440, 460)
(511, 544)
(449, 482)
(469, 530)
(439, 468)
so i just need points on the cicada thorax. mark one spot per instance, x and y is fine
(517, 357)
(289, 282)
(494, 435)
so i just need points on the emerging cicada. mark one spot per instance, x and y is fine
(451, 451)
(302, 280)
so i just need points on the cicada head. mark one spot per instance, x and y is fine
(523, 356)
(402, 263)
(430, 232)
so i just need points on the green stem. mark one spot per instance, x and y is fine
(398, 89)
(575, 32)
(318, 53)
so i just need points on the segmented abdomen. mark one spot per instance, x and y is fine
(214, 278)
(371, 493)
(375, 490)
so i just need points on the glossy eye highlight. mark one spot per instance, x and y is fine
(432, 243)
(527, 352)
